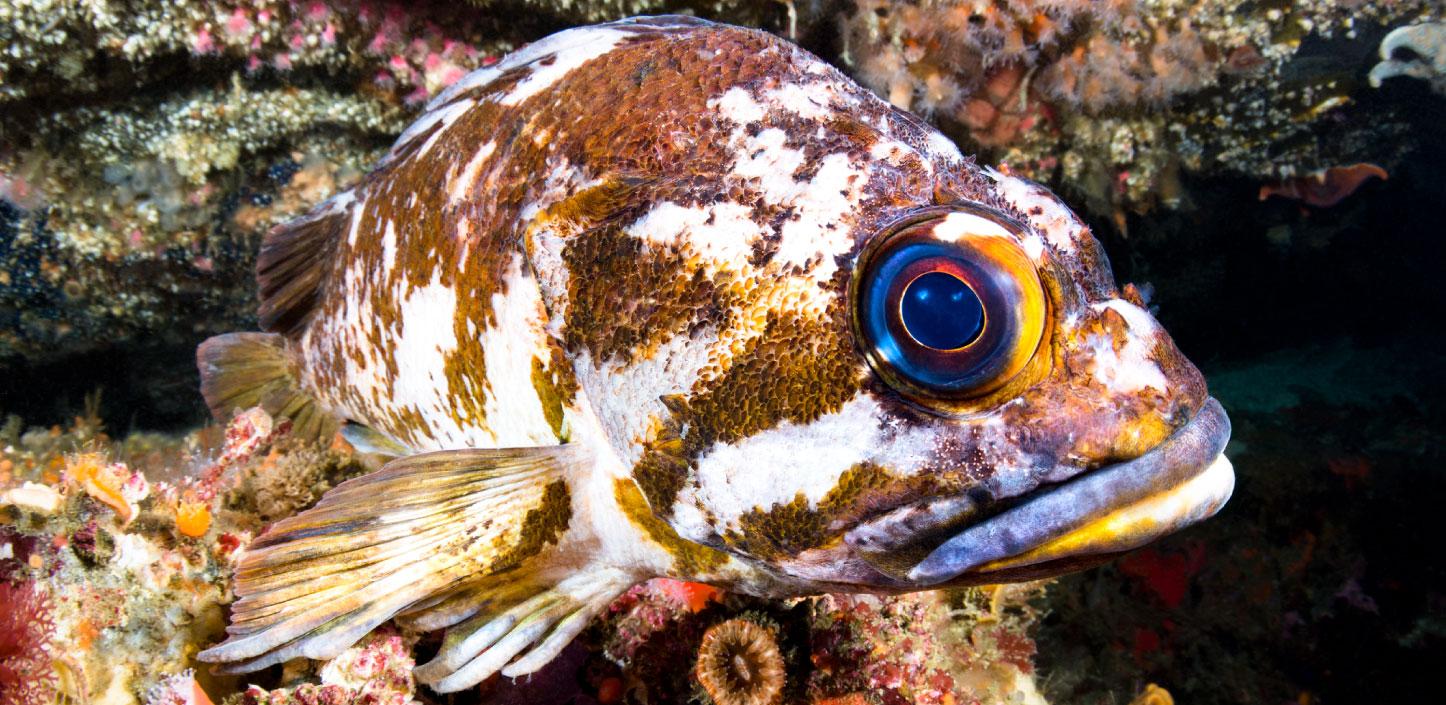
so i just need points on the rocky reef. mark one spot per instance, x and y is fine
(1118, 101)
(146, 148)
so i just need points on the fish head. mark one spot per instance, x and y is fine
(819, 338)
(976, 402)
(1041, 418)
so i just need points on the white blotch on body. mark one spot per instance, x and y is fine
(1059, 226)
(942, 147)
(774, 466)
(389, 248)
(441, 118)
(627, 395)
(509, 345)
(1133, 368)
(723, 232)
(823, 208)
(420, 352)
(465, 183)
(737, 104)
(570, 50)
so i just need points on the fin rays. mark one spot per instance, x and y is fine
(242, 370)
(537, 629)
(416, 531)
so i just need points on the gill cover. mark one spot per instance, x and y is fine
(946, 306)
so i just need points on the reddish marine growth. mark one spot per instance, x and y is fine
(1326, 187)
(417, 56)
(26, 676)
(1000, 69)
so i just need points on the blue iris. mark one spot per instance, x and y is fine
(941, 311)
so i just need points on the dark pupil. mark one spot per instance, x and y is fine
(941, 311)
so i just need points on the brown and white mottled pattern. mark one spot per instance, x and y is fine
(603, 292)
(640, 237)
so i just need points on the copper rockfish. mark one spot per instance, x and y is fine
(663, 297)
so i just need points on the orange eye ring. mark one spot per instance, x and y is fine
(944, 341)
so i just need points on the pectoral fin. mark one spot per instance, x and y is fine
(410, 534)
(242, 370)
(538, 625)
(370, 441)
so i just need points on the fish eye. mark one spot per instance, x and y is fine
(946, 306)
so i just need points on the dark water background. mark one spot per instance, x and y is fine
(1323, 580)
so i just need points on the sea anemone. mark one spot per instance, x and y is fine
(26, 675)
(739, 664)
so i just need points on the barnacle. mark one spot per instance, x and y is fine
(739, 663)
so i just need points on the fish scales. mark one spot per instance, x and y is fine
(650, 299)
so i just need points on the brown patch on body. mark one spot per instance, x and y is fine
(690, 560)
(624, 298)
(556, 387)
(798, 370)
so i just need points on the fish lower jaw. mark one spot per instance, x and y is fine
(1087, 519)
(1133, 525)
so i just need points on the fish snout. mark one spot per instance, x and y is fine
(1092, 517)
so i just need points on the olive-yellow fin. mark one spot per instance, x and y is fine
(410, 533)
(242, 370)
(370, 441)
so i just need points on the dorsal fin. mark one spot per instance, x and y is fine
(295, 261)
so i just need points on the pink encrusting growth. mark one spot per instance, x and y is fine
(1325, 187)
(422, 54)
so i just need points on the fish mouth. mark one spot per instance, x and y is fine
(1091, 518)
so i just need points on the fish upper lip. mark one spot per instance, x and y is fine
(1056, 511)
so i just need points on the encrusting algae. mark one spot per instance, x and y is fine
(131, 553)
(1118, 101)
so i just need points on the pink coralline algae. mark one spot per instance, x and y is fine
(415, 54)
(377, 671)
(179, 689)
(26, 675)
